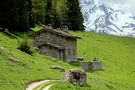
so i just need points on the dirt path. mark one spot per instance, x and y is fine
(47, 87)
(35, 84)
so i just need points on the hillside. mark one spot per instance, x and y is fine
(15, 75)
(117, 53)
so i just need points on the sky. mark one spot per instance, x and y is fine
(126, 5)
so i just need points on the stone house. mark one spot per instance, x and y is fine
(56, 43)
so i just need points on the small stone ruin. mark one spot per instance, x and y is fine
(95, 64)
(75, 76)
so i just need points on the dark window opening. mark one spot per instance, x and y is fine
(76, 76)
(50, 47)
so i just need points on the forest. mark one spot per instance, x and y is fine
(20, 15)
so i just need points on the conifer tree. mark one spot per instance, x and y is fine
(13, 15)
(74, 19)
(39, 11)
(23, 15)
(31, 20)
(48, 12)
(55, 20)
(51, 16)
(4, 10)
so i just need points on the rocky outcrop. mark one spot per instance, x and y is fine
(75, 76)
(57, 68)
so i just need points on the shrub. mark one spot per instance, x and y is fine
(25, 47)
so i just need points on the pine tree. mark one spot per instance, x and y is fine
(51, 16)
(48, 12)
(74, 19)
(39, 11)
(13, 15)
(31, 20)
(55, 20)
(4, 10)
(22, 14)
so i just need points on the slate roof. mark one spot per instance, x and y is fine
(57, 32)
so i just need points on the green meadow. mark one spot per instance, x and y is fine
(116, 53)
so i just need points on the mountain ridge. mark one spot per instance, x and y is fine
(101, 18)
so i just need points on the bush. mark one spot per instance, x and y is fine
(25, 47)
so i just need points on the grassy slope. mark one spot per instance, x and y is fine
(117, 54)
(14, 76)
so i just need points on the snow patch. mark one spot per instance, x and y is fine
(104, 19)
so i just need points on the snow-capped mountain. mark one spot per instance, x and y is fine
(104, 19)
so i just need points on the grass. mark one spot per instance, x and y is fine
(69, 86)
(37, 27)
(15, 76)
(117, 54)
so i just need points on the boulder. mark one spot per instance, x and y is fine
(57, 68)
(75, 76)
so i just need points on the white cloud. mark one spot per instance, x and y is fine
(127, 5)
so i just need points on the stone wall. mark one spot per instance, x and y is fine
(71, 49)
(43, 37)
(92, 65)
(85, 65)
(50, 51)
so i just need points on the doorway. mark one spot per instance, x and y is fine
(62, 55)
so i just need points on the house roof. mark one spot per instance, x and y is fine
(53, 46)
(57, 32)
